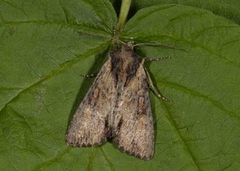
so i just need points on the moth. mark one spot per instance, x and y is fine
(116, 107)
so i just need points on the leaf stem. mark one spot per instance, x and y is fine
(125, 6)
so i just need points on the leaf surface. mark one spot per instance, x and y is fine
(46, 46)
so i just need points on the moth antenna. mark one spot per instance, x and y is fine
(122, 42)
(155, 44)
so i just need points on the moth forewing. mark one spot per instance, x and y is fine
(117, 107)
(136, 134)
(88, 125)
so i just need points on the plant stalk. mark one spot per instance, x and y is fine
(125, 6)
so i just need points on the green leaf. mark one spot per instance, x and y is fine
(226, 8)
(199, 129)
(46, 46)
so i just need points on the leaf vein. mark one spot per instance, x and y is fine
(83, 28)
(195, 93)
(191, 43)
(56, 158)
(174, 125)
(53, 73)
(107, 159)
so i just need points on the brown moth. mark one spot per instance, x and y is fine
(117, 107)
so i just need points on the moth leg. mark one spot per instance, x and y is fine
(154, 88)
(89, 75)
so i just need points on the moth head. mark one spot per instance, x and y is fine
(130, 45)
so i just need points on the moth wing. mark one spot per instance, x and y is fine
(88, 125)
(135, 128)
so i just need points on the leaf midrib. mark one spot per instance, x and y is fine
(83, 28)
(62, 67)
